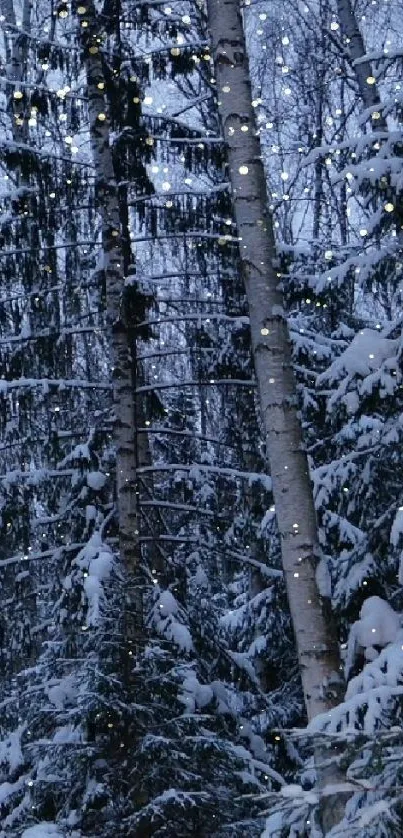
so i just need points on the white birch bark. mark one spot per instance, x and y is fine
(122, 373)
(316, 641)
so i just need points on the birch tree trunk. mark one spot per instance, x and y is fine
(316, 641)
(113, 253)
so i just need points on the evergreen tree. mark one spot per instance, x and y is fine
(84, 713)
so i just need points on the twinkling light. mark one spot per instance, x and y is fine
(243, 170)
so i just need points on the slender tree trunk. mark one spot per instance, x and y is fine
(369, 93)
(318, 169)
(363, 70)
(113, 247)
(16, 68)
(316, 641)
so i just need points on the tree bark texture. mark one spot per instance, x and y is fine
(316, 643)
(316, 640)
(122, 366)
(16, 70)
(363, 70)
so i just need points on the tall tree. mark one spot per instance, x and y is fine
(317, 644)
(271, 347)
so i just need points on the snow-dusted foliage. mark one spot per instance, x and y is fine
(178, 716)
(357, 491)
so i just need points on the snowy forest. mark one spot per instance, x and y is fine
(201, 419)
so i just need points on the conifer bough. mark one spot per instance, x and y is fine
(317, 645)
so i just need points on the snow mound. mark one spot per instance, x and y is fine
(377, 618)
(377, 626)
(43, 830)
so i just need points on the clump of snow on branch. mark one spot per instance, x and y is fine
(96, 562)
(377, 626)
(371, 359)
(165, 618)
(372, 694)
